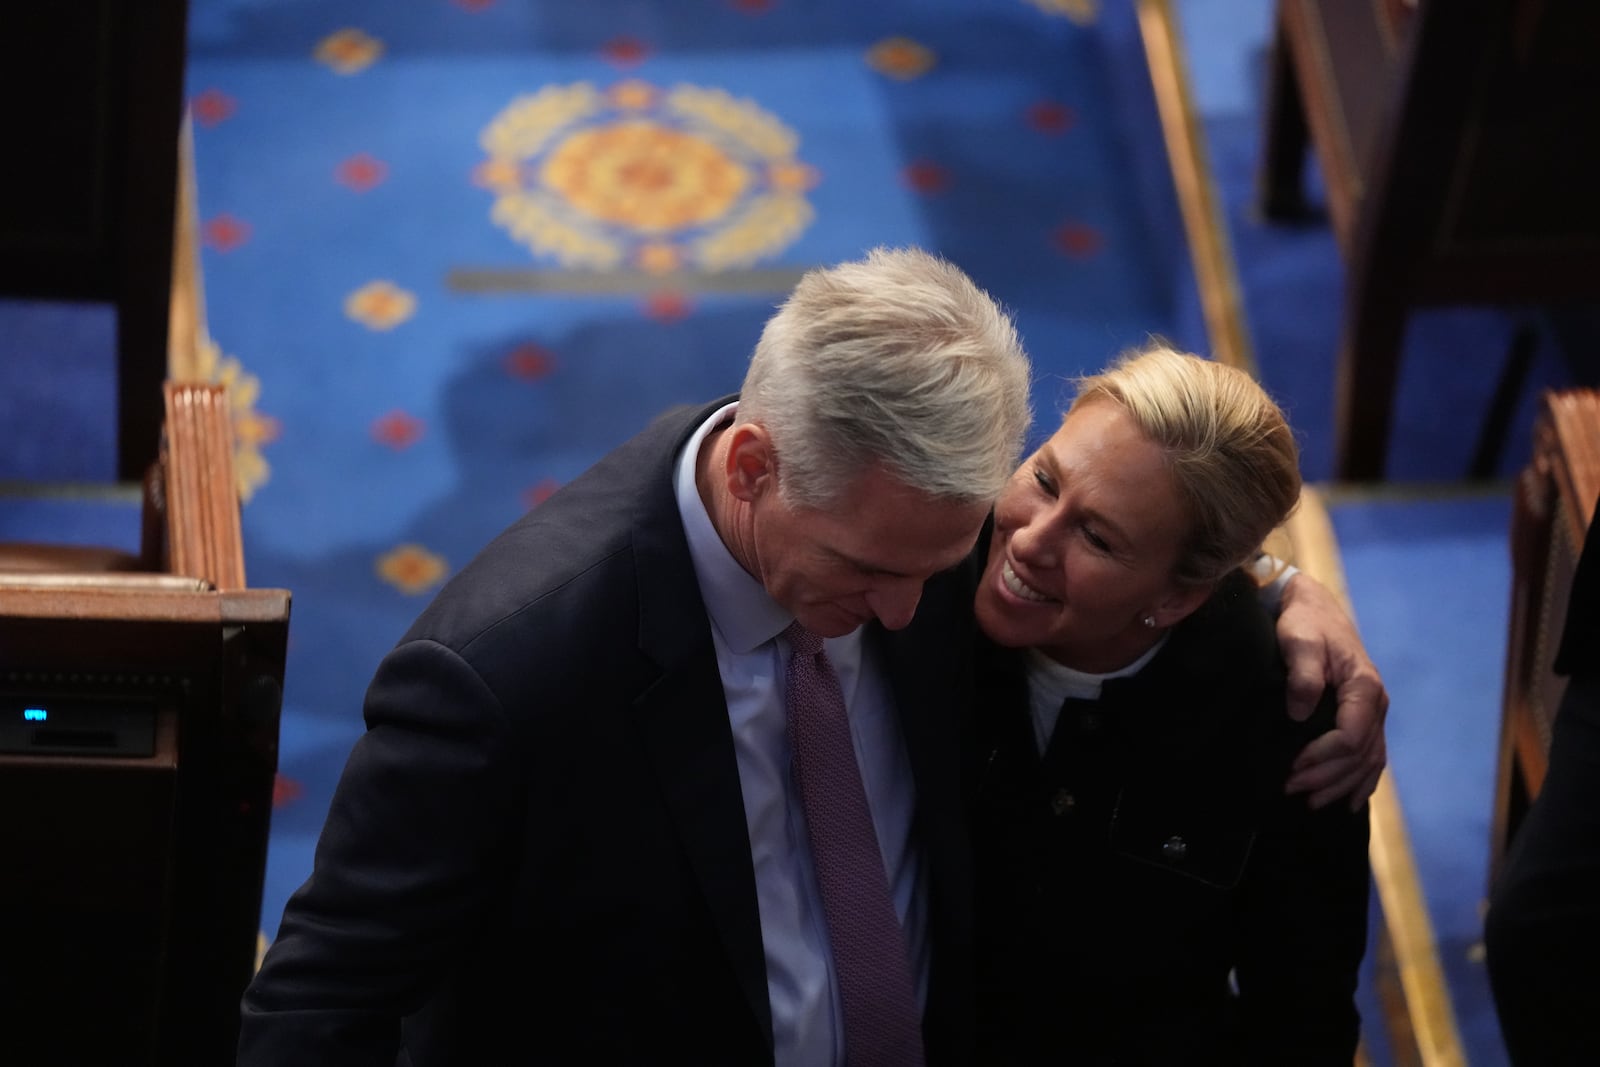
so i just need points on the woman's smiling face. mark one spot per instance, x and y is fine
(1086, 537)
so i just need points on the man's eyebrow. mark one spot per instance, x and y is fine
(862, 565)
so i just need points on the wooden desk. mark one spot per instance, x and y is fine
(93, 98)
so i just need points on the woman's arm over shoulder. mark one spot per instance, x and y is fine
(1322, 648)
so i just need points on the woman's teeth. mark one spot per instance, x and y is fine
(1017, 585)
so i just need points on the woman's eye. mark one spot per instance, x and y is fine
(1095, 540)
(1043, 481)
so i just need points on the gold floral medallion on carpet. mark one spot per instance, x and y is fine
(639, 177)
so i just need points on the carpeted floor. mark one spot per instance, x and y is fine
(445, 325)
(431, 324)
(1430, 577)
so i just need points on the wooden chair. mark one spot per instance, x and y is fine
(92, 100)
(139, 704)
(1459, 149)
(1554, 507)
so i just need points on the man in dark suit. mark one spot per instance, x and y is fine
(571, 828)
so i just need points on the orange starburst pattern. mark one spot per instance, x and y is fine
(900, 58)
(793, 177)
(663, 180)
(380, 305)
(411, 569)
(348, 51)
(1083, 12)
(251, 430)
(632, 95)
(499, 175)
(645, 176)
(657, 259)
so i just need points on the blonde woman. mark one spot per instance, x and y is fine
(1149, 893)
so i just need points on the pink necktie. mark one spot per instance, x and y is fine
(881, 1020)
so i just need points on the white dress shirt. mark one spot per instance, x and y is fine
(1050, 683)
(745, 624)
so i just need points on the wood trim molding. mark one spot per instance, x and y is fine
(1198, 200)
(1574, 414)
(204, 539)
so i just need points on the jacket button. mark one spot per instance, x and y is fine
(1089, 723)
(1063, 802)
(1174, 849)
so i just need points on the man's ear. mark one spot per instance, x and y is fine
(1181, 601)
(752, 464)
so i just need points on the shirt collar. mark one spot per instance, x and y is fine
(741, 611)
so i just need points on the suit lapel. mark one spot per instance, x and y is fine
(683, 719)
(685, 723)
(930, 673)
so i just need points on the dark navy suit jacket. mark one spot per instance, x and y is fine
(538, 848)
(1147, 894)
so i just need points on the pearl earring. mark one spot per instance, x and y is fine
(1150, 621)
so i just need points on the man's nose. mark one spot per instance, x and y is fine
(895, 601)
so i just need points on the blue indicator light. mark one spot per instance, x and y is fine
(35, 715)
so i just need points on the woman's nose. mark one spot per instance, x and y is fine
(1035, 542)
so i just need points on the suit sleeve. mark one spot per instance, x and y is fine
(417, 840)
(1304, 930)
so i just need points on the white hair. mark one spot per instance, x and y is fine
(896, 360)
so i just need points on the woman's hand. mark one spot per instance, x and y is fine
(1321, 648)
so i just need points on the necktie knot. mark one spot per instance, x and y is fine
(802, 640)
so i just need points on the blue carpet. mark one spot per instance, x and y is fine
(392, 428)
(109, 518)
(58, 391)
(413, 414)
(1431, 584)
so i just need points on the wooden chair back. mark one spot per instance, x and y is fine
(1553, 510)
(1458, 146)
